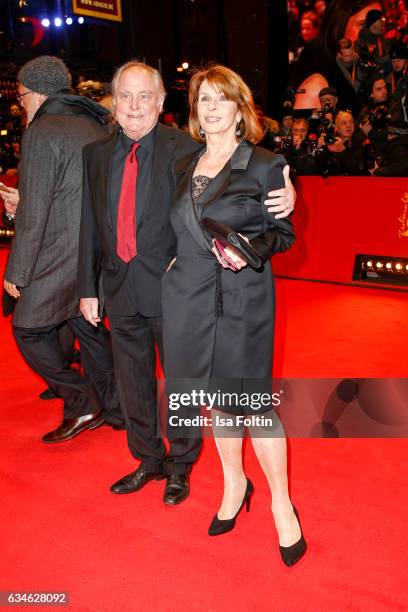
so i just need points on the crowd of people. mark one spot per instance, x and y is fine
(347, 104)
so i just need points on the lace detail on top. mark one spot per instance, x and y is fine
(198, 185)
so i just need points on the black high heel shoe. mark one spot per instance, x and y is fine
(219, 526)
(291, 554)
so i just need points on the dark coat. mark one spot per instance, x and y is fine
(395, 158)
(134, 287)
(44, 255)
(198, 342)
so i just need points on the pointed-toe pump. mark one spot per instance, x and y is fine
(219, 526)
(291, 554)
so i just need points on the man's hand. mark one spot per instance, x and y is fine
(282, 201)
(337, 147)
(10, 197)
(89, 308)
(374, 168)
(11, 289)
(366, 127)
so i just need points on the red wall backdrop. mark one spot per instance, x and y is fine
(337, 218)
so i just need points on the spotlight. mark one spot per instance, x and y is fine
(81, 20)
(185, 65)
(45, 23)
(69, 21)
(58, 22)
(179, 69)
(381, 269)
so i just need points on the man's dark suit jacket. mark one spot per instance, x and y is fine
(134, 287)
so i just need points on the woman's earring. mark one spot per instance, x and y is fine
(238, 131)
(201, 132)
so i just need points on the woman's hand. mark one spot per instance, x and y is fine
(232, 254)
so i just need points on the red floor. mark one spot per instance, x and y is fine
(62, 530)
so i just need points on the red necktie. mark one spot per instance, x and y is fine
(126, 228)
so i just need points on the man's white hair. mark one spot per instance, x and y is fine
(155, 74)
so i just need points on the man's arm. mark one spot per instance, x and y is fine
(37, 184)
(89, 255)
(281, 202)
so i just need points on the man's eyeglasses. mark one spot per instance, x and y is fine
(19, 96)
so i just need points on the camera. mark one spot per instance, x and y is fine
(320, 123)
(378, 117)
(367, 64)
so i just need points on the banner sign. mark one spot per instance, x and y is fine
(102, 9)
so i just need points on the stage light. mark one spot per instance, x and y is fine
(185, 65)
(81, 20)
(69, 21)
(45, 23)
(381, 269)
(58, 22)
(179, 69)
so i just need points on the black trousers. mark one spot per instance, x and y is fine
(134, 340)
(82, 394)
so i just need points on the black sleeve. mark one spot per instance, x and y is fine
(90, 251)
(278, 234)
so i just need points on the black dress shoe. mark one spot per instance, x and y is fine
(177, 489)
(135, 481)
(72, 427)
(220, 526)
(48, 394)
(291, 554)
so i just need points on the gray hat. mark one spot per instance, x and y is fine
(45, 75)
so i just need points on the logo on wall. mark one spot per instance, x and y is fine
(102, 9)
(403, 219)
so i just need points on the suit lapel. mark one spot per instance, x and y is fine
(184, 204)
(183, 200)
(163, 155)
(106, 177)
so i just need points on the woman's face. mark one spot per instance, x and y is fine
(307, 30)
(216, 114)
(357, 21)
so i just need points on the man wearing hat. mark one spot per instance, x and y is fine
(328, 99)
(399, 61)
(41, 271)
(371, 40)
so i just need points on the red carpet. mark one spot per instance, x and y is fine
(62, 530)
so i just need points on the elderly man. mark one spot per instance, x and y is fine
(41, 271)
(125, 229)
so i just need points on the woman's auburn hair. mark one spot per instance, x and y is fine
(229, 83)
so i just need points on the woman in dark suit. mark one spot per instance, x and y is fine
(218, 324)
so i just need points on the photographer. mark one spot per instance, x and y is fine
(394, 161)
(300, 155)
(399, 61)
(345, 155)
(371, 44)
(372, 117)
(348, 62)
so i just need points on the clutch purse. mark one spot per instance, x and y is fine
(225, 236)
